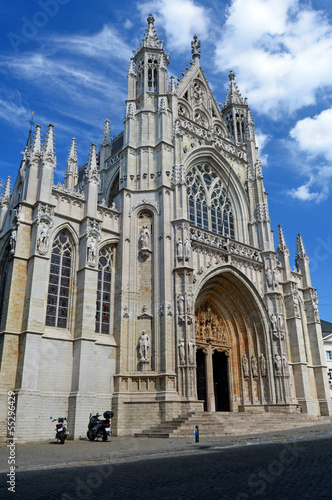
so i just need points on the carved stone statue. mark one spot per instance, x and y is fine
(144, 344)
(245, 366)
(192, 351)
(187, 249)
(273, 319)
(12, 239)
(180, 302)
(262, 363)
(182, 352)
(277, 364)
(144, 237)
(189, 303)
(91, 250)
(43, 238)
(254, 368)
(179, 249)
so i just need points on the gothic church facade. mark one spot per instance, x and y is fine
(148, 282)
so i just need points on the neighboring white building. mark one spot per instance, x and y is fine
(327, 339)
(148, 283)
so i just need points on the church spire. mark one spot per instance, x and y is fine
(302, 261)
(233, 94)
(92, 170)
(151, 39)
(71, 174)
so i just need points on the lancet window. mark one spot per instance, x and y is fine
(104, 290)
(208, 203)
(59, 281)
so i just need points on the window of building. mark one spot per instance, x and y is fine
(208, 206)
(103, 303)
(59, 282)
(329, 374)
(329, 355)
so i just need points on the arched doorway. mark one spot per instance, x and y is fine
(231, 330)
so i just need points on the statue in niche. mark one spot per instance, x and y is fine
(189, 303)
(187, 249)
(274, 320)
(277, 364)
(182, 352)
(224, 338)
(295, 295)
(180, 302)
(245, 366)
(144, 344)
(192, 352)
(169, 310)
(144, 237)
(91, 250)
(269, 278)
(262, 363)
(43, 238)
(276, 277)
(179, 249)
(285, 363)
(254, 368)
(316, 312)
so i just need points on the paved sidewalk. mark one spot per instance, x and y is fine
(36, 456)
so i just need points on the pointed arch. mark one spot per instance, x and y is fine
(59, 287)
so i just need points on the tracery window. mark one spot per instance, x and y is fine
(59, 281)
(209, 208)
(103, 303)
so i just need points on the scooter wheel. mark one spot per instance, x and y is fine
(105, 436)
(62, 438)
(91, 435)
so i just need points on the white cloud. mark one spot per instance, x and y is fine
(282, 52)
(314, 135)
(261, 141)
(181, 19)
(304, 193)
(107, 44)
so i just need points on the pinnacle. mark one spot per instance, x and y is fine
(49, 141)
(73, 150)
(6, 191)
(150, 39)
(106, 139)
(282, 245)
(92, 161)
(300, 250)
(36, 145)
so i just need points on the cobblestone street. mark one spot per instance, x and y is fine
(293, 469)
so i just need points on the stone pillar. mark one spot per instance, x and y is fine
(210, 398)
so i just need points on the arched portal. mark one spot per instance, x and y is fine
(233, 348)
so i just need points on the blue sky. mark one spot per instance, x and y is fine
(67, 61)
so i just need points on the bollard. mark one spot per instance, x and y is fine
(196, 434)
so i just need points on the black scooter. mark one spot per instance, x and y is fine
(60, 429)
(99, 428)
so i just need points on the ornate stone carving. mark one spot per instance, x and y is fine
(91, 250)
(209, 327)
(277, 365)
(179, 249)
(143, 242)
(12, 239)
(144, 314)
(285, 364)
(93, 237)
(187, 249)
(43, 239)
(125, 312)
(180, 303)
(169, 310)
(296, 302)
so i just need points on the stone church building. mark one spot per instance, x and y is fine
(148, 281)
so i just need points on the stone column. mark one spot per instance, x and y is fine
(210, 399)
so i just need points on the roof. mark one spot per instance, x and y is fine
(326, 328)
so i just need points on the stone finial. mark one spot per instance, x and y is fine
(106, 139)
(131, 70)
(196, 48)
(73, 151)
(282, 245)
(150, 39)
(71, 174)
(172, 86)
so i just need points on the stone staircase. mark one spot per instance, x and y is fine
(229, 423)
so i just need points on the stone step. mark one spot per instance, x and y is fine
(228, 423)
